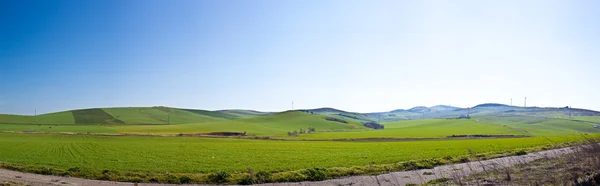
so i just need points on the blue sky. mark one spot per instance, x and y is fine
(362, 56)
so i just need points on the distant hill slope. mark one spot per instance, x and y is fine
(485, 119)
(244, 113)
(160, 115)
(163, 115)
(130, 115)
(426, 128)
(541, 126)
(273, 125)
(441, 111)
(339, 113)
(65, 117)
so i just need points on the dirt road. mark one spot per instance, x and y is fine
(392, 179)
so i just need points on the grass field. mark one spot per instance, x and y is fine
(144, 158)
(204, 155)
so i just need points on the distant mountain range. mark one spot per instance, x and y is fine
(445, 111)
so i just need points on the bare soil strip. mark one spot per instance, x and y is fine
(391, 179)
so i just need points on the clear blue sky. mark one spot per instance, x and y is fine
(360, 56)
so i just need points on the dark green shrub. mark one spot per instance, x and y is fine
(185, 179)
(263, 177)
(74, 169)
(292, 176)
(218, 177)
(519, 153)
(43, 170)
(315, 174)
(247, 180)
(252, 178)
(410, 165)
(439, 181)
(169, 178)
(130, 179)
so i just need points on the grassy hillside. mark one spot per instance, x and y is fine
(57, 128)
(94, 116)
(129, 115)
(52, 118)
(161, 115)
(427, 128)
(244, 113)
(273, 125)
(340, 113)
(541, 126)
(214, 114)
(488, 119)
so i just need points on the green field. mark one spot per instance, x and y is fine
(82, 146)
(427, 128)
(195, 155)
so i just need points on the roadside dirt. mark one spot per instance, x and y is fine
(391, 179)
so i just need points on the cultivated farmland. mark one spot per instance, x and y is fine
(171, 145)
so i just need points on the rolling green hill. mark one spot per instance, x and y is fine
(130, 115)
(541, 126)
(426, 128)
(51, 118)
(273, 125)
(339, 113)
(487, 119)
(162, 115)
(244, 113)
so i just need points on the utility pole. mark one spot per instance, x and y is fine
(525, 102)
(169, 118)
(292, 105)
(510, 101)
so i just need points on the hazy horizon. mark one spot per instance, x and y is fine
(358, 56)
